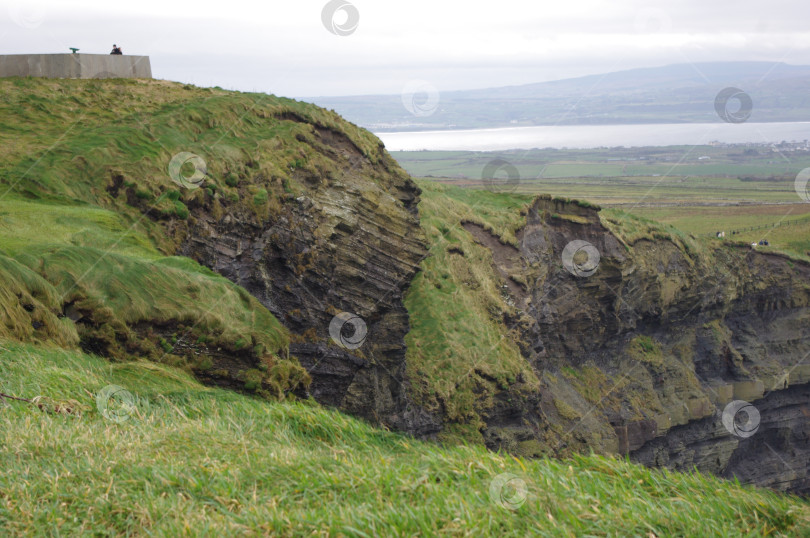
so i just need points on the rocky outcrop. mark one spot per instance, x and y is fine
(642, 337)
(347, 243)
(775, 455)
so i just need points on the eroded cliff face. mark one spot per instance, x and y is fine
(344, 242)
(638, 351)
(641, 352)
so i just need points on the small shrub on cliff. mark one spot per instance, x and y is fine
(204, 364)
(180, 210)
(645, 349)
(283, 376)
(253, 379)
(261, 197)
(285, 183)
(565, 410)
(144, 195)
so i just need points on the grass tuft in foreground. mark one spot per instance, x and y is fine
(194, 460)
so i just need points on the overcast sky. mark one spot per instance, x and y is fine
(286, 48)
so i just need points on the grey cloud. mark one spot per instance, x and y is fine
(304, 60)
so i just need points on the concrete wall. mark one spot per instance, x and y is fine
(75, 66)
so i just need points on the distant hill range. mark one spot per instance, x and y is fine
(681, 93)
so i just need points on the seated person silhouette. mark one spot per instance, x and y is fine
(116, 49)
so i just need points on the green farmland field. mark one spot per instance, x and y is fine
(749, 190)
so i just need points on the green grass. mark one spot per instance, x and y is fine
(628, 175)
(581, 170)
(131, 297)
(458, 341)
(708, 219)
(89, 208)
(128, 307)
(25, 223)
(630, 228)
(191, 460)
(786, 227)
(91, 131)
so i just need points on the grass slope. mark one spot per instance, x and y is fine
(124, 299)
(191, 460)
(459, 348)
(89, 210)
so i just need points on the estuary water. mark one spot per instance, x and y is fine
(595, 136)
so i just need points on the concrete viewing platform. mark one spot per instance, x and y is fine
(75, 66)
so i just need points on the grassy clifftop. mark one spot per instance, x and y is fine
(90, 216)
(110, 143)
(185, 459)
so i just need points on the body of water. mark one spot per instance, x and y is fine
(594, 136)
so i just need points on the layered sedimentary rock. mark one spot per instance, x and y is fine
(636, 338)
(641, 344)
(344, 244)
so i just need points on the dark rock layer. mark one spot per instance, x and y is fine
(350, 243)
(776, 455)
(642, 356)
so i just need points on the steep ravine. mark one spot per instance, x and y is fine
(639, 358)
(642, 356)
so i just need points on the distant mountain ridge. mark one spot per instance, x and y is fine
(679, 93)
(667, 77)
